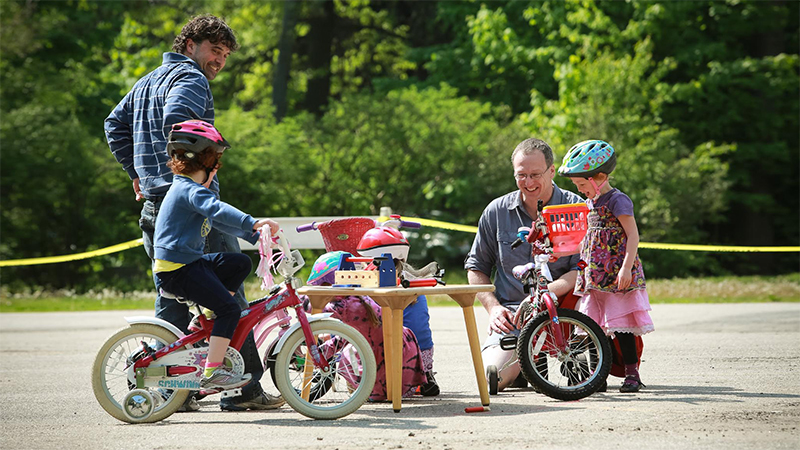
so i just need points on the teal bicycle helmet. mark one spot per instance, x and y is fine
(324, 269)
(588, 158)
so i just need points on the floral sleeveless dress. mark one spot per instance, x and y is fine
(603, 251)
(353, 311)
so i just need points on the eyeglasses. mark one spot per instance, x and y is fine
(532, 176)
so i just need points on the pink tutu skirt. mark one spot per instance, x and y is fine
(618, 312)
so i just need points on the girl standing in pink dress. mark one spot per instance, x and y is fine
(612, 282)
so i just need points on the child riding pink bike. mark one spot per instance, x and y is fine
(144, 372)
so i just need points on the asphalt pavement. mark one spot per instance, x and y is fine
(719, 376)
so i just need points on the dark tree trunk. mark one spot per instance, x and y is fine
(320, 45)
(756, 224)
(280, 79)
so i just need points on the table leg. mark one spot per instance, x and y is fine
(387, 349)
(397, 359)
(475, 348)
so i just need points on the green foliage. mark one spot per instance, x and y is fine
(419, 107)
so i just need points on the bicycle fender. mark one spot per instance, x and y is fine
(133, 320)
(296, 325)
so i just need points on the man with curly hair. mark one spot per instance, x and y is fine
(137, 131)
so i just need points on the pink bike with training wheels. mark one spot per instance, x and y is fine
(323, 368)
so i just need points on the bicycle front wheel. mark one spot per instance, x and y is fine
(351, 373)
(565, 374)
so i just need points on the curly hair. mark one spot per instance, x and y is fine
(181, 165)
(205, 27)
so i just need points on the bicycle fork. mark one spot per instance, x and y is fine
(555, 326)
(313, 355)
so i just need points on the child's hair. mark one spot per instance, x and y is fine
(206, 160)
(371, 314)
(194, 145)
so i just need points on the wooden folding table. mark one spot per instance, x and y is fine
(394, 300)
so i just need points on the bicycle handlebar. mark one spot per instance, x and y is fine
(315, 225)
(407, 224)
(306, 227)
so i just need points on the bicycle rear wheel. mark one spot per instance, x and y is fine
(351, 374)
(565, 375)
(112, 380)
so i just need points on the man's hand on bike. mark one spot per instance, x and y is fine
(525, 309)
(273, 226)
(501, 320)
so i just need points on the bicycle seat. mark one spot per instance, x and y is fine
(166, 294)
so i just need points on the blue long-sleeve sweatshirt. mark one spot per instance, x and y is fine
(188, 212)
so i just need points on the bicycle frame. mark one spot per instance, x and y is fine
(258, 311)
(537, 275)
(263, 328)
(543, 299)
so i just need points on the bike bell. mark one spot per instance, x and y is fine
(380, 240)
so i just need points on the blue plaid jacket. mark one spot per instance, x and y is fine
(137, 128)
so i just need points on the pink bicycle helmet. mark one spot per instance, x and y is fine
(194, 136)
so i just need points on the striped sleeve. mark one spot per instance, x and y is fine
(119, 134)
(188, 98)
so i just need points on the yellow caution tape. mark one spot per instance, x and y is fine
(437, 224)
(716, 248)
(64, 258)
(424, 222)
(685, 247)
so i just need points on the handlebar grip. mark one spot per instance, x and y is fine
(306, 227)
(407, 224)
(516, 243)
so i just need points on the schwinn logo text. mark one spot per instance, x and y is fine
(179, 384)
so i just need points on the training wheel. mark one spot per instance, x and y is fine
(138, 405)
(493, 379)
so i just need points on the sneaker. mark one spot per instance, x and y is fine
(189, 405)
(631, 384)
(224, 379)
(430, 388)
(261, 403)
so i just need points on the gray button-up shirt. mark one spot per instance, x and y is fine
(497, 229)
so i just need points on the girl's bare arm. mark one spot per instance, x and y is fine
(632, 232)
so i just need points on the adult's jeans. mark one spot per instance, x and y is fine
(180, 315)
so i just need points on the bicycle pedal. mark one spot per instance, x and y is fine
(508, 342)
(231, 393)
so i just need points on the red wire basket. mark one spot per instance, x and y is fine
(344, 234)
(566, 225)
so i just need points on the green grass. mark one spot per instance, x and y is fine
(753, 289)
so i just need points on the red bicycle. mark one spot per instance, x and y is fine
(562, 352)
(324, 368)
